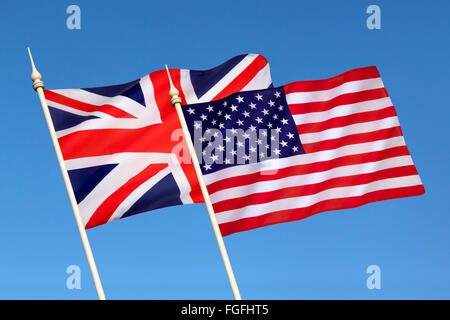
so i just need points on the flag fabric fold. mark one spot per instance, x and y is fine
(283, 154)
(123, 145)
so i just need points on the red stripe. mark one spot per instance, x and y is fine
(83, 106)
(243, 78)
(91, 143)
(352, 139)
(326, 205)
(343, 121)
(161, 84)
(317, 85)
(314, 188)
(107, 208)
(343, 99)
(302, 169)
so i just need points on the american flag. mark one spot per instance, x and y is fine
(286, 153)
(123, 145)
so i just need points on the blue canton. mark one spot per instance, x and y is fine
(245, 127)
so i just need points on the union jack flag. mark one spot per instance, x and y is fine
(123, 145)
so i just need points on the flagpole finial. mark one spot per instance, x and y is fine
(173, 93)
(36, 77)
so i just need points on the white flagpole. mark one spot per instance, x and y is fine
(176, 102)
(38, 86)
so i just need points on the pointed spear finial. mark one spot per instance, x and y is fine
(35, 75)
(173, 93)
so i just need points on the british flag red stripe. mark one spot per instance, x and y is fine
(354, 154)
(123, 144)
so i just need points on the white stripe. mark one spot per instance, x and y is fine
(129, 165)
(349, 130)
(306, 201)
(304, 158)
(262, 80)
(343, 110)
(146, 115)
(149, 99)
(186, 86)
(137, 194)
(112, 182)
(226, 80)
(325, 95)
(311, 178)
(153, 157)
(78, 112)
(124, 103)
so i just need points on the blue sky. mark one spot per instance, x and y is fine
(172, 253)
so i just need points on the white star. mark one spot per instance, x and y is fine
(233, 130)
(208, 130)
(259, 97)
(290, 135)
(197, 125)
(214, 121)
(233, 107)
(277, 152)
(215, 134)
(252, 127)
(259, 120)
(264, 133)
(259, 141)
(252, 105)
(295, 149)
(225, 103)
(227, 161)
(246, 135)
(277, 94)
(246, 114)
(280, 108)
(261, 155)
(214, 157)
(284, 121)
(227, 117)
(203, 117)
(252, 149)
(240, 99)
(269, 125)
(220, 148)
(283, 143)
(233, 152)
(207, 166)
(219, 113)
(271, 103)
(246, 157)
(227, 139)
(265, 112)
(278, 129)
(275, 117)
(240, 122)
(191, 111)
(210, 108)
(221, 126)
(240, 144)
